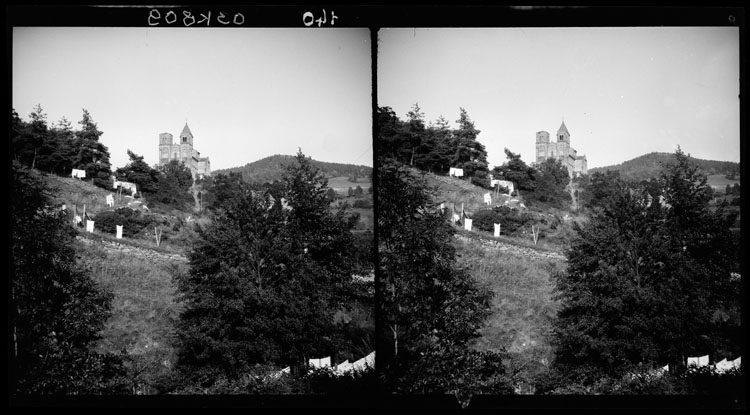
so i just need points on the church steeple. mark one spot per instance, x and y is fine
(186, 136)
(563, 134)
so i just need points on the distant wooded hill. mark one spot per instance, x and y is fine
(271, 168)
(649, 165)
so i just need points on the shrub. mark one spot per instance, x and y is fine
(131, 220)
(481, 181)
(509, 219)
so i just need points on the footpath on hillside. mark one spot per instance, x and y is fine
(122, 246)
(492, 243)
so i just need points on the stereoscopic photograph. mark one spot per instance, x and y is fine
(388, 207)
(192, 211)
(558, 211)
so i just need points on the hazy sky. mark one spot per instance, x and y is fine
(246, 93)
(622, 92)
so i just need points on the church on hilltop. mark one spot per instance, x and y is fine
(560, 149)
(183, 151)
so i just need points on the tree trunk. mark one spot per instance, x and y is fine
(394, 329)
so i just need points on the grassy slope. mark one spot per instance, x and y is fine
(144, 309)
(175, 225)
(523, 306)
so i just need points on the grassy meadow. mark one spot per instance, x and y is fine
(719, 182)
(144, 309)
(342, 184)
(522, 308)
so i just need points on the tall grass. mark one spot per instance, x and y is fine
(522, 308)
(144, 310)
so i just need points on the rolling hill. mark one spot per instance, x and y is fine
(271, 168)
(649, 165)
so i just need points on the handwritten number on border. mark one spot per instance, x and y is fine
(308, 18)
(155, 18)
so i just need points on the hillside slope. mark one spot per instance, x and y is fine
(176, 227)
(455, 193)
(271, 168)
(649, 165)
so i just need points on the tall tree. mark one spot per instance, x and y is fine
(551, 180)
(57, 310)
(516, 171)
(29, 139)
(391, 132)
(430, 309)
(648, 279)
(326, 234)
(175, 181)
(139, 172)
(64, 147)
(438, 148)
(603, 187)
(266, 277)
(93, 156)
(416, 130)
(222, 188)
(471, 155)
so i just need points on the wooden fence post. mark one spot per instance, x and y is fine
(157, 236)
(535, 233)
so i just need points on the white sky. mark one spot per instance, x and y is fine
(245, 93)
(622, 92)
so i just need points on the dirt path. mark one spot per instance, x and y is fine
(514, 249)
(132, 250)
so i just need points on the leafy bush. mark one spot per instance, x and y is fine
(481, 180)
(131, 220)
(510, 220)
(703, 381)
(351, 383)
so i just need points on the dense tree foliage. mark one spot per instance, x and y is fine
(544, 183)
(471, 155)
(648, 279)
(435, 147)
(733, 189)
(139, 172)
(266, 277)
(92, 156)
(551, 179)
(430, 309)
(175, 182)
(516, 171)
(59, 149)
(169, 184)
(57, 310)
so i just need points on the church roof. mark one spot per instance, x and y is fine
(563, 129)
(186, 131)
